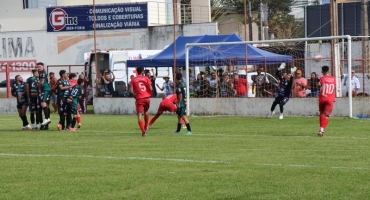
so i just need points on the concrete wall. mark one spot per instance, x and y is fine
(227, 106)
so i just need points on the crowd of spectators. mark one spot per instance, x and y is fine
(218, 84)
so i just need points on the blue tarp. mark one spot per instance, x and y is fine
(202, 56)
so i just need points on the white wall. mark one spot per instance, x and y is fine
(223, 106)
(14, 18)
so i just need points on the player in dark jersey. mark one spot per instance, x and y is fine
(44, 94)
(72, 102)
(181, 105)
(63, 93)
(32, 94)
(19, 90)
(286, 82)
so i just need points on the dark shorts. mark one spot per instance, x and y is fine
(70, 108)
(281, 100)
(21, 104)
(33, 105)
(181, 111)
(60, 104)
(45, 97)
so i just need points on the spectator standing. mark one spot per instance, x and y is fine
(125, 91)
(207, 74)
(213, 85)
(299, 85)
(354, 82)
(326, 98)
(82, 101)
(314, 85)
(142, 86)
(152, 80)
(89, 93)
(201, 86)
(19, 90)
(258, 82)
(167, 86)
(241, 86)
(226, 86)
(107, 83)
(53, 96)
(286, 82)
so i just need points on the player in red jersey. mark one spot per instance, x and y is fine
(167, 104)
(141, 90)
(326, 98)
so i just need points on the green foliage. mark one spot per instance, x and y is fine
(225, 158)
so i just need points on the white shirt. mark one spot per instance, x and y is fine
(354, 82)
(168, 88)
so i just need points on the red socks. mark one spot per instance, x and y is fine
(153, 120)
(78, 119)
(323, 121)
(141, 124)
(146, 119)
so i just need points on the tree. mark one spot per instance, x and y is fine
(280, 22)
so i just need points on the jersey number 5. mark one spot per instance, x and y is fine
(142, 87)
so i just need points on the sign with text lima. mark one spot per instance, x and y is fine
(108, 17)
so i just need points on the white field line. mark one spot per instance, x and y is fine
(203, 134)
(180, 160)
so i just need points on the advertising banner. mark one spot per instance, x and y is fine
(108, 17)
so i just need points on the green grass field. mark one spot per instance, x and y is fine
(225, 158)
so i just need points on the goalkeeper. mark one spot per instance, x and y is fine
(286, 82)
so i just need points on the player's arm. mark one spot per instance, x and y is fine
(322, 90)
(61, 86)
(132, 91)
(28, 91)
(41, 83)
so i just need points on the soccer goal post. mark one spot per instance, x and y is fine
(246, 58)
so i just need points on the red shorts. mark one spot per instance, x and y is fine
(142, 105)
(326, 107)
(166, 107)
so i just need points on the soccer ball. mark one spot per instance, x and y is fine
(317, 58)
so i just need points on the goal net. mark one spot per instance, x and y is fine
(217, 67)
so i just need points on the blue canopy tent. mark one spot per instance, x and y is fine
(218, 55)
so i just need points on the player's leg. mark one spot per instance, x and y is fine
(45, 107)
(146, 113)
(62, 117)
(19, 109)
(273, 106)
(54, 102)
(326, 109)
(31, 108)
(281, 104)
(78, 115)
(139, 110)
(24, 116)
(74, 120)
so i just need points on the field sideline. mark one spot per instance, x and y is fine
(227, 157)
